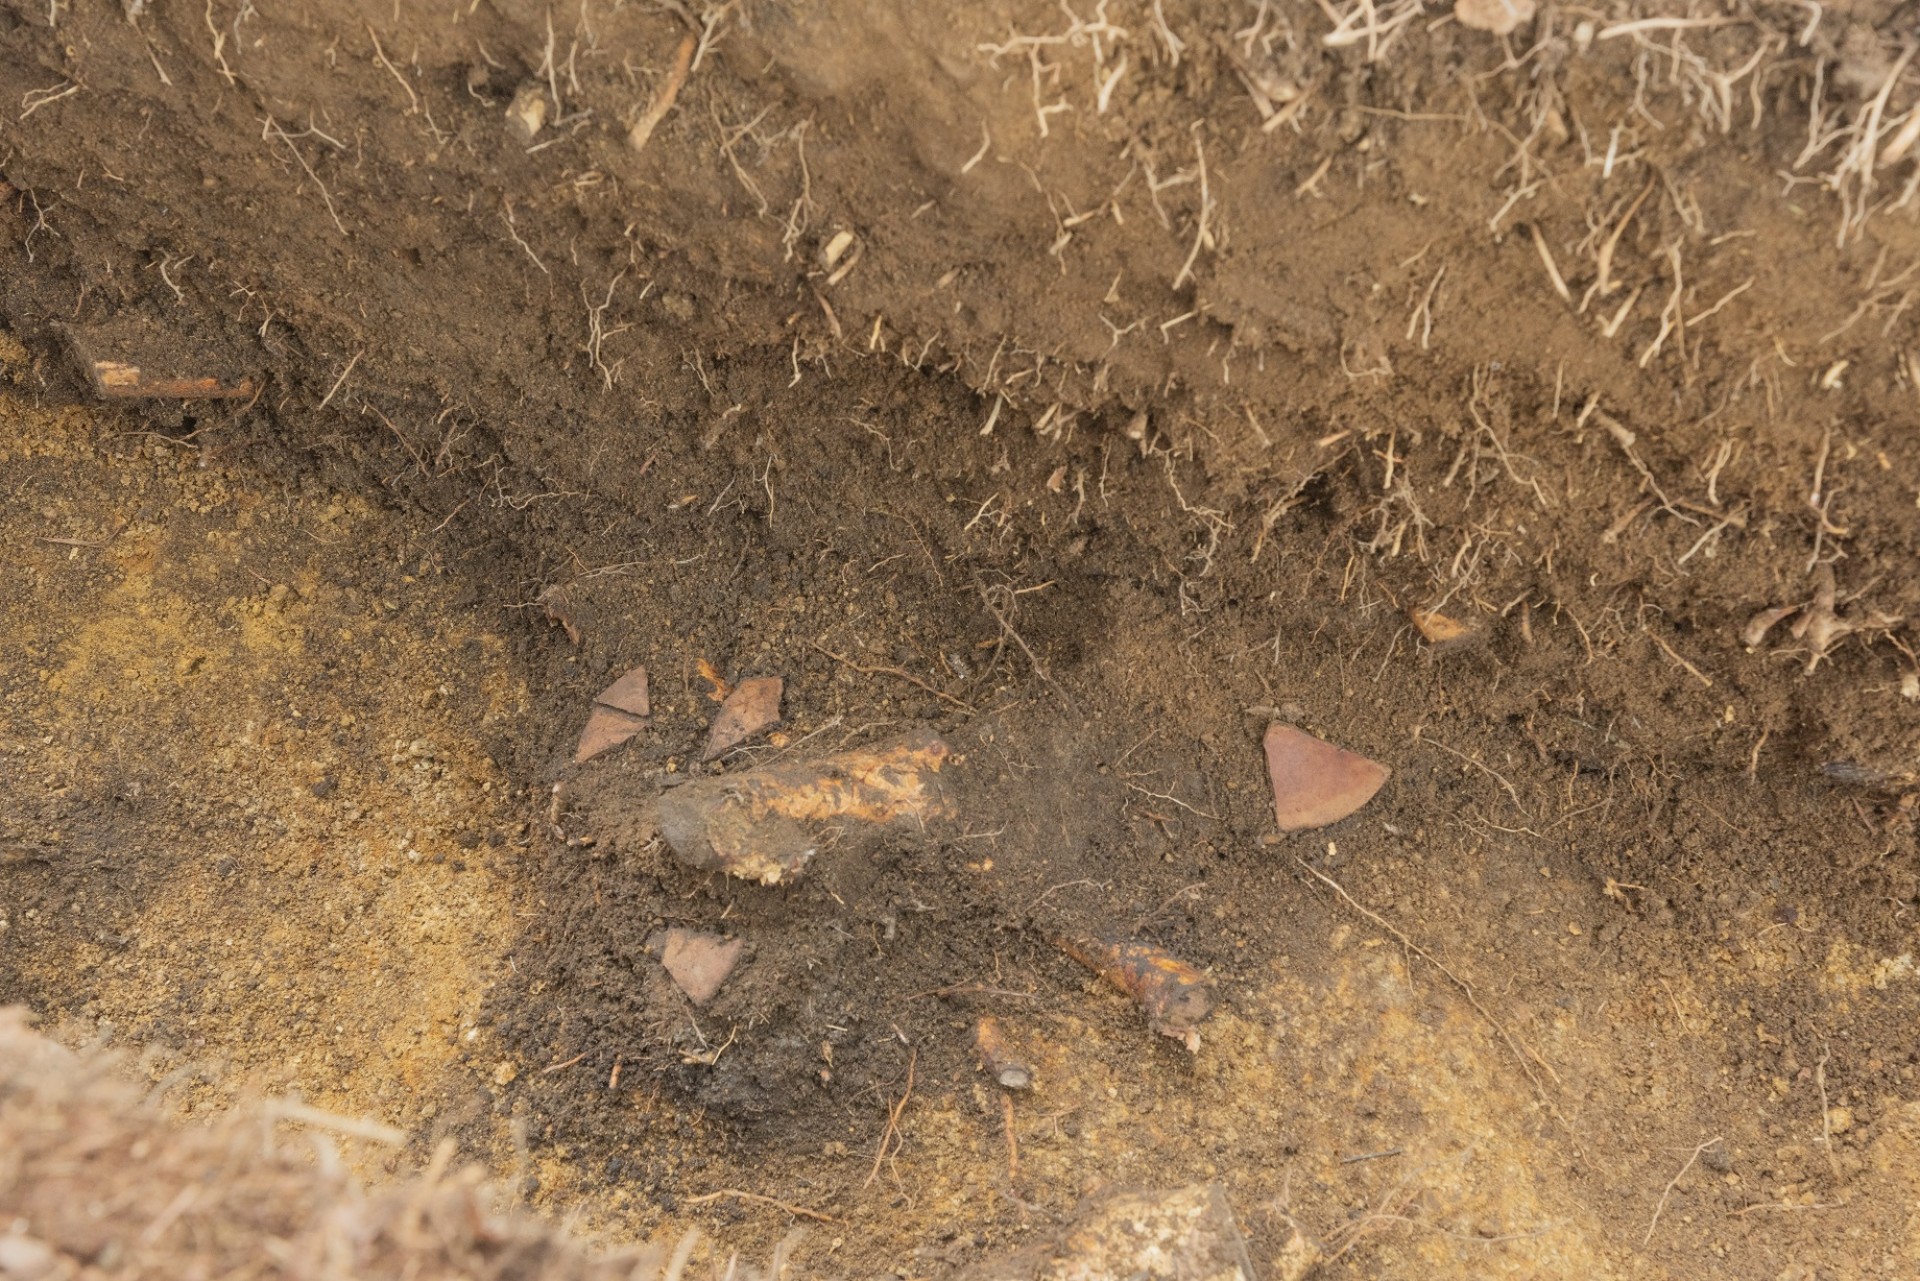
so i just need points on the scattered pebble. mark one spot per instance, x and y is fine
(527, 113)
(1314, 782)
(628, 694)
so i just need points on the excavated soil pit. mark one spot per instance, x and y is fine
(1092, 387)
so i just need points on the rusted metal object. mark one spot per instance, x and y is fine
(1175, 997)
(1314, 782)
(115, 380)
(998, 1057)
(763, 824)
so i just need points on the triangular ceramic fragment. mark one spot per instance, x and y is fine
(753, 705)
(698, 963)
(1314, 782)
(628, 694)
(606, 729)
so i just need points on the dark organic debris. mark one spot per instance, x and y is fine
(618, 714)
(1314, 782)
(1820, 626)
(1175, 997)
(998, 1057)
(758, 824)
(699, 963)
(754, 705)
(557, 603)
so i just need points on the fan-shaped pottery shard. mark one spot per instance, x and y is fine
(763, 824)
(1314, 782)
(618, 714)
(698, 963)
(753, 705)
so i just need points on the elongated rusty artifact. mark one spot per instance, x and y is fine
(765, 824)
(1175, 997)
(999, 1058)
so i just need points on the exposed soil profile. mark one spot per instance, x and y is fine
(1054, 398)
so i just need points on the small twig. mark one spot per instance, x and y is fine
(1553, 268)
(1692, 671)
(799, 1211)
(1008, 630)
(893, 1122)
(514, 231)
(413, 100)
(219, 47)
(35, 99)
(1658, 1209)
(555, 1067)
(1521, 1051)
(272, 128)
(664, 96)
(373, 1131)
(1826, 1118)
(1371, 1156)
(1491, 773)
(341, 379)
(1013, 1142)
(894, 671)
(1603, 283)
(1202, 235)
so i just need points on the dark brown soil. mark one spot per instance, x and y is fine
(1127, 431)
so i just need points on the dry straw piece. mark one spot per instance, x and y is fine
(97, 1182)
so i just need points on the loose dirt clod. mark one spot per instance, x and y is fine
(1181, 1234)
(753, 705)
(1501, 17)
(1314, 782)
(1436, 628)
(755, 825)
(998, 1057)
(1175, 996)
(698, 963)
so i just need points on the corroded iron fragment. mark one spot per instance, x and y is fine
(764, 824)
(1175, 996)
